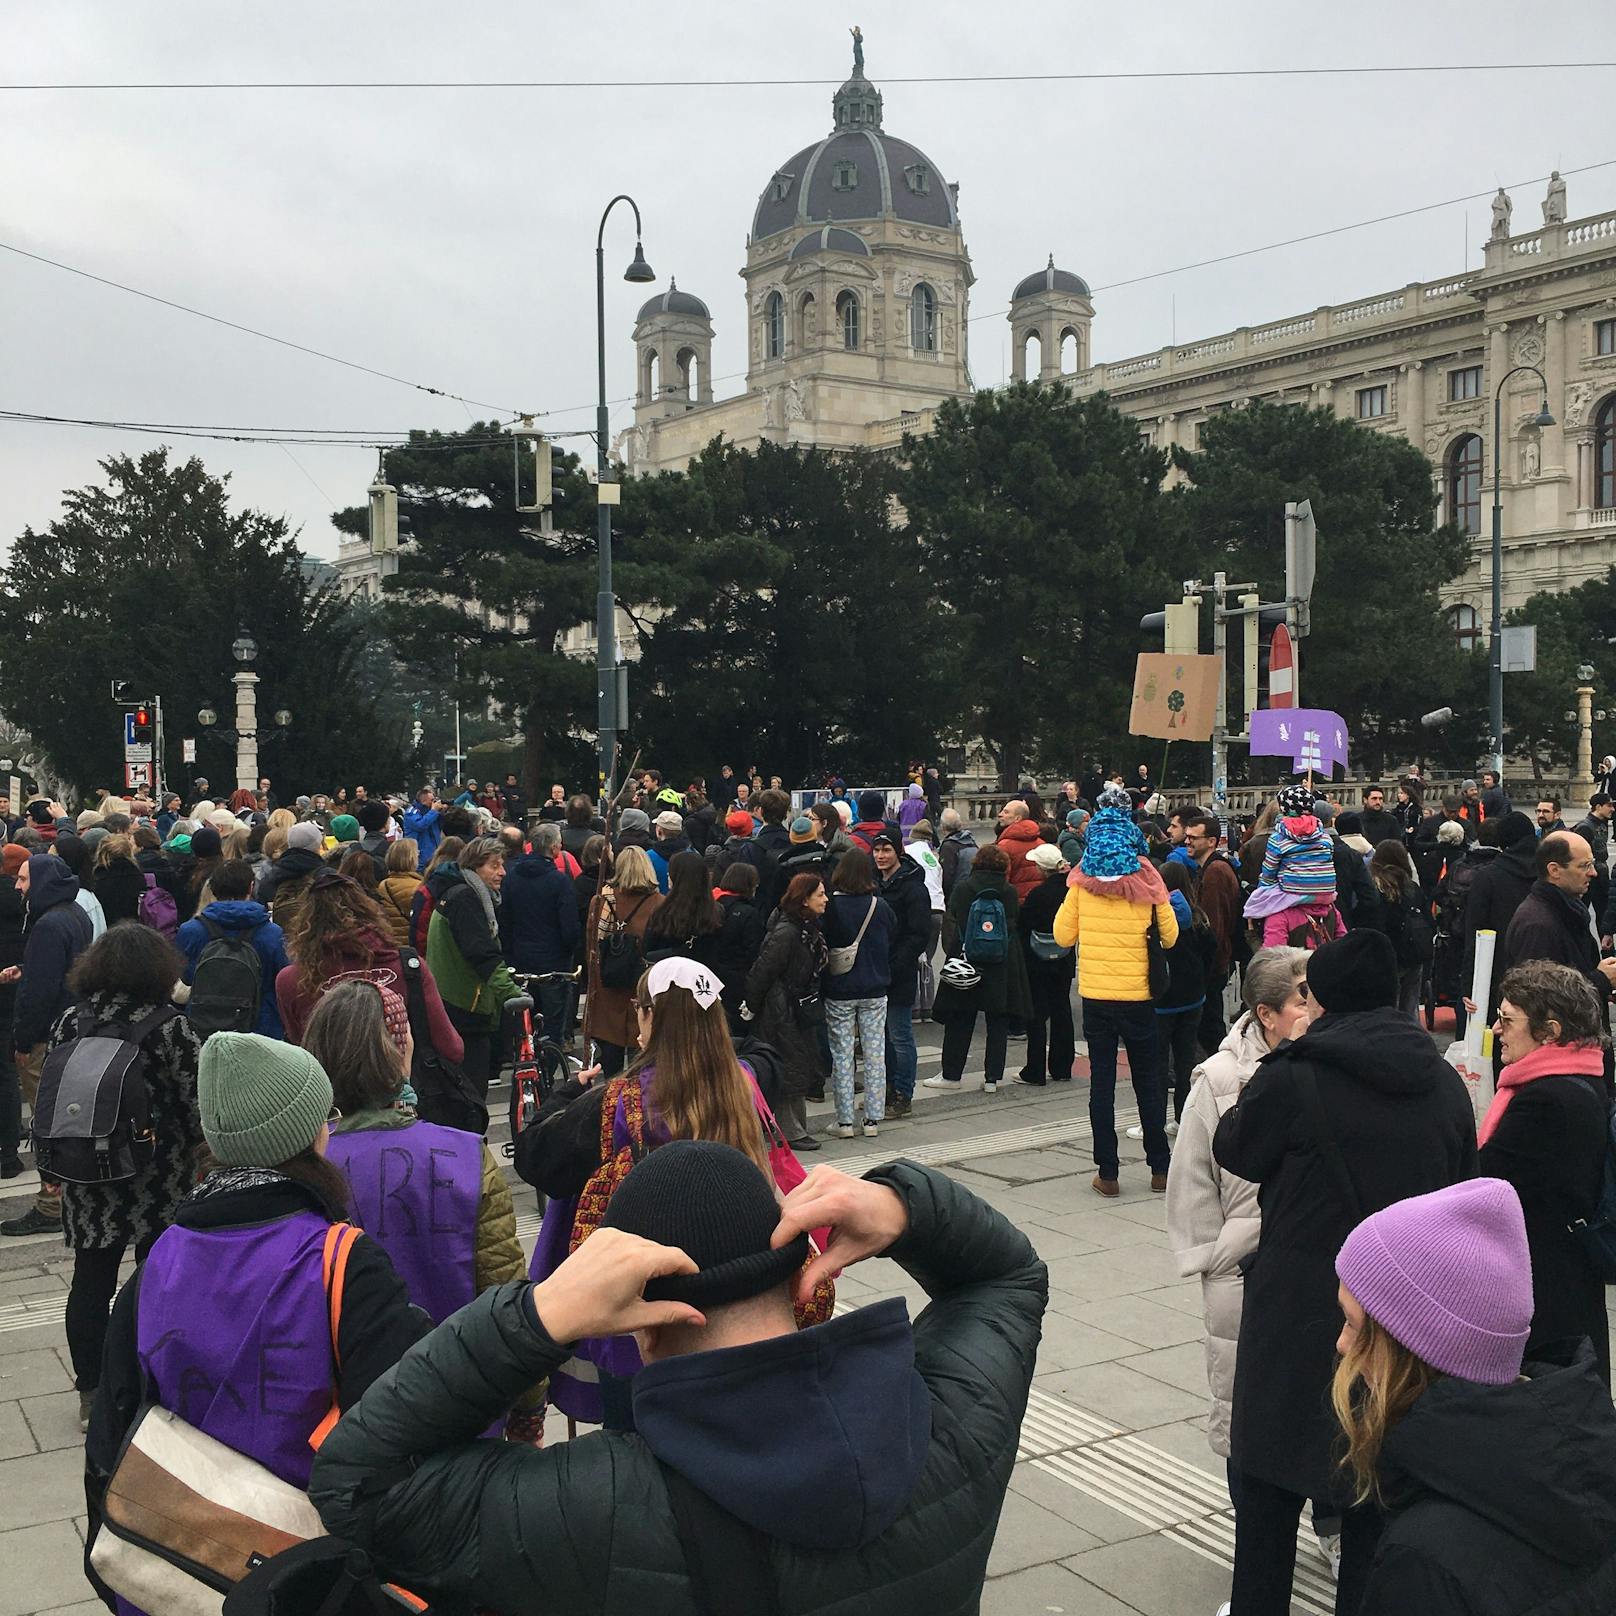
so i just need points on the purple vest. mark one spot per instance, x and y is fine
(234, 1332)
(416, 1193)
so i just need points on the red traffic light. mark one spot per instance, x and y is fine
(142, 718)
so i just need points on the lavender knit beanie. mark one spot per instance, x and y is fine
(1449, 1276)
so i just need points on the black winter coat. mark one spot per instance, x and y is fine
(1401, 1120)
(1354, 891)
(1550, 1144)
(291, 870)
(1498, 891)
(737, 946)
(1551, 925)
(872, 1457)
(1050, 981)
(119, 887)
(906, 892)
(58, 931)
(1004, 989)
(787, 971)
(1502, 1498)
(539, 928)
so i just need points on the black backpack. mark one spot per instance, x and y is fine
(444, 1094)
(622, 958)
(92, 1117)
(227, 984)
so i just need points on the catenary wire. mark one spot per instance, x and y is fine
(1093, 76)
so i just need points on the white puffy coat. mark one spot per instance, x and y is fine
(1212, 1216)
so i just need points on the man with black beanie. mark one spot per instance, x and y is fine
(374, 817)
(861, 1464)
(1359, 1112)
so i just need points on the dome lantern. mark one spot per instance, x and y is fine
(1054, 308)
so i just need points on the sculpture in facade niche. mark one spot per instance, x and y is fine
(1554, 204)
(1531, 457)
(1502, 209)
(796, 410)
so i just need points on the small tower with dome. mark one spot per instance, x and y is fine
(673, 344)
(1054, 309)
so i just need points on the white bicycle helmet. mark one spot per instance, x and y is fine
(959, 973)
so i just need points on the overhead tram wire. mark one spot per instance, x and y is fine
(1097, 76)
(303, 437)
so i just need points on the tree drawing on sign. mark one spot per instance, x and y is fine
(1175, 705)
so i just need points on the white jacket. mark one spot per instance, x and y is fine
(1212, 1216)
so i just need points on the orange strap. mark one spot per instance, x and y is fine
(339, 1241)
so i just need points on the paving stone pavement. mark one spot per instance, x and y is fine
(1117, 1504)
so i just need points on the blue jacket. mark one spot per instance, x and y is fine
(538, 916)
(421, 825)
(252, 920)
(871, 975)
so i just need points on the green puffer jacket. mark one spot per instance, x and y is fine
(463, 954)
(873, 1455)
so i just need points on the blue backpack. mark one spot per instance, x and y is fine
(1597, 1235)
(987, 931)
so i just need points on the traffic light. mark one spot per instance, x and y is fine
(143, 722)
(1179, 624)
(1301, 558)
(1260, 628)
(525, 438)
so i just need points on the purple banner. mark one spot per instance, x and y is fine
(1311, 737)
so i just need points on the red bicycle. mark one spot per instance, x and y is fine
(540, 1063)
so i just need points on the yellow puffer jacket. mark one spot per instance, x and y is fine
(1108, 921)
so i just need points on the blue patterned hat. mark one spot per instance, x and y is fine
(1114, 846)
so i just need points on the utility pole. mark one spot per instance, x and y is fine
(1220, 725)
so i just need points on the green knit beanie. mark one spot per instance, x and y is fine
(262, 1101)
(345, 828)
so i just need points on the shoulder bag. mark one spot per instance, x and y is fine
(622, 959)
(843, 959)
(1160, 968)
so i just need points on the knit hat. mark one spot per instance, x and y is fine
(871, 805)
(1355, 972)
(1449, 1276)
(1349, 823)
(1323, 810)
(1076, 818)
(394, 1010)
(180, 841)
(922, 827)
(716, 1206)
(1515, 828)
(345, 828)
(262, 1101)
(885, 838)
(804, 829)
(305, 837)
(1113, 845)
(669, 821)
(1467, 785)
(1115, 796)
(12, 858)
(205, 842)
(738, 822)
(1294, 801)
(373, 816)
(634, 819)
(1047, 857)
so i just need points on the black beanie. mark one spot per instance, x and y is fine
(373, 816)
(206, 842)
(716, 1206)
(1355, 972)
(871, 805)
(1515, 828)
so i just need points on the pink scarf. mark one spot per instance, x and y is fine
(1547, 1060)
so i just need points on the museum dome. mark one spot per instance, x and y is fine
(673, 301)
(1050, 279)
(857, 171)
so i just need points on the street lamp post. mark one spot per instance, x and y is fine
(608, 719)
(1495, 671)
(245, 650)
(1582, 783)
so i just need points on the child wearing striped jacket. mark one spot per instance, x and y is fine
(1295, 896)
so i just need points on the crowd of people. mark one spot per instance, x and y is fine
(316, 998)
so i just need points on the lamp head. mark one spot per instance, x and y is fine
(245, 647)
(1543, 418)
(283, 718)
(207, 718)
(639, 270)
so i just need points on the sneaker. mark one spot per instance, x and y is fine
(990, 1088)
(834, 1130)
(871, 1130)
(807, 1142)
(1027, 1078)
(11, 1167)
(1172, 1130)
(1225, 1609)
(1136, 1132)
(86, 1403)
(33, 1221)
(940, 1082)
(899, 1105)
(1105, 1186)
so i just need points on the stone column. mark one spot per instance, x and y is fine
(1582, 782)
(246, 730)
(1554, 367)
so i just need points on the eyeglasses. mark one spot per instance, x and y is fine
(335, 1117)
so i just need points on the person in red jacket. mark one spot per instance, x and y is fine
(1018, 836)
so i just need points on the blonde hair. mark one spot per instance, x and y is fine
(233, 842)
(282, 819)
(1376, 1383)
(112, 848)
(275, 842)
(697, 1085)
(634, 871)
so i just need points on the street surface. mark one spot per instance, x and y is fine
(1117, 1504)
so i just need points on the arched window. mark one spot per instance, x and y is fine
(807, 327)
(1464, 484)
(847, 317)
(1071, 352)
(774, 326)
(651, 372)
(1466, 621)
(923, 319)
(1032, 353)
(1605, 455)
(689, 363)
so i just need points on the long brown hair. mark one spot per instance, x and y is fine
(332, 915)
(1376, 1383)
(698, 1086)
(1391, 870)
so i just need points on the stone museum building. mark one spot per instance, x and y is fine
(857, 301)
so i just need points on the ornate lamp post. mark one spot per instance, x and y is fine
(245, 734)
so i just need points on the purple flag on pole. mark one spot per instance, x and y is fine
(1311, 737)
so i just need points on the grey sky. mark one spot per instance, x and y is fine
(447, 236)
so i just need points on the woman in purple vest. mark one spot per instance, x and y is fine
(432, 1197)
(226, 1322)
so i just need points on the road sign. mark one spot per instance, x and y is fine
(137, 776)
(188, 750)
(1281, 668)
(1517, 648)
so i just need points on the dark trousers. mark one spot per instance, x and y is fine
(95, 1279)
(483, 1050)
(1265, 1521)
(1180, 1035)
(1213, 1029)
(612, 1057)
(10, 1083)
(957, 1032)
(1051, 1028)
(554, 1003)
(1108, 1023)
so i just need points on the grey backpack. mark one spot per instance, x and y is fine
(228, 983)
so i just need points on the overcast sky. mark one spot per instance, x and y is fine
(447, 236)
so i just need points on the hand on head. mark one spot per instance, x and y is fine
(864, 1218)
(596, 1291)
